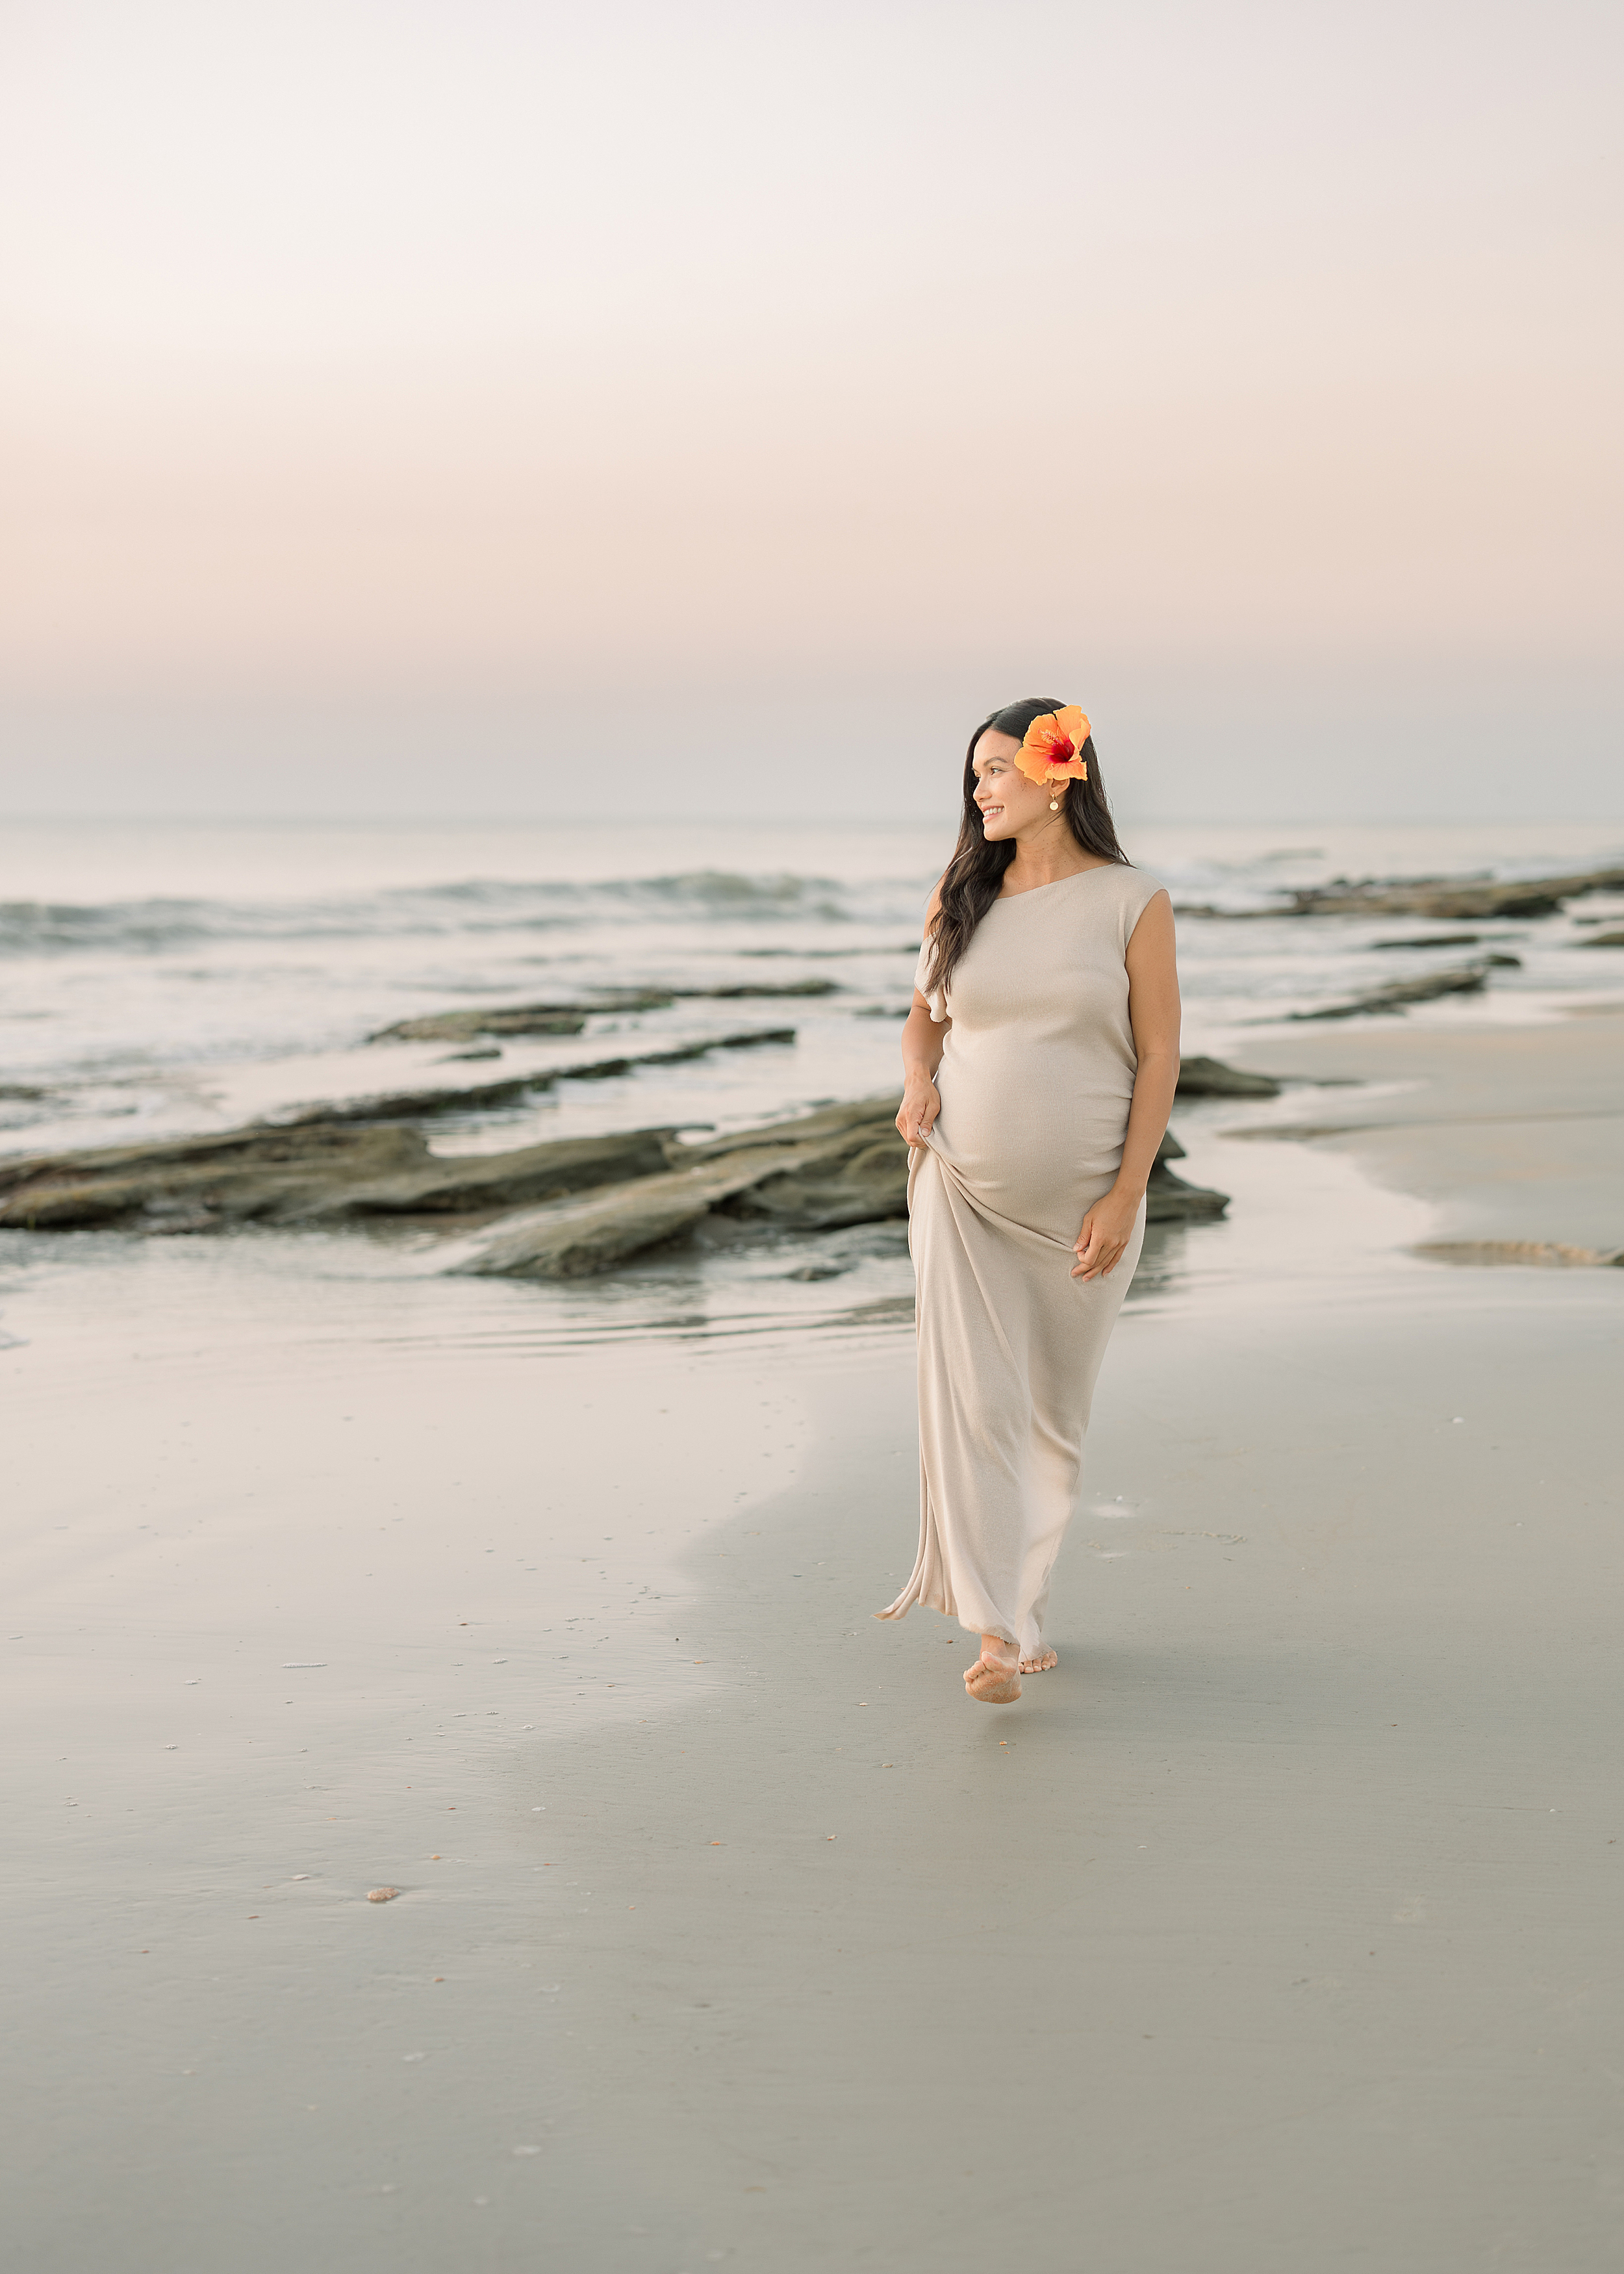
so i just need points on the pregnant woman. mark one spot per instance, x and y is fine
(1041, 1057)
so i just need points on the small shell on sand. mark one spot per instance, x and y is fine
(381, 1894)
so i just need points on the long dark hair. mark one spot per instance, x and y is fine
(976, 871)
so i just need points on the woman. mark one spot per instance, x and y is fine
(1047, 999)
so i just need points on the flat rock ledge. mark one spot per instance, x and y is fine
(844, 1165)
(564, 1209)
(571, 1018)
(318, 1173)
(482, 1096)
(1460, 979)
(1452, 898)
(1211, 1078)
(1169, 1199)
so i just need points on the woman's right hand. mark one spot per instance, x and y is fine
(921, 1104)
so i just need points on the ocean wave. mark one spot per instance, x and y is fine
(151, 926)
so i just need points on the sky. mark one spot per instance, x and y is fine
(410, 410)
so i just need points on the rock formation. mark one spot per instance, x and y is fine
(1453, 900)
(569, 1018)
(1466, 979)
(562, 1210)
(475, 1097)
(1436, 939)
(1211, 1078)
(305, 1174)
(1169, 1199)
(842, 1164)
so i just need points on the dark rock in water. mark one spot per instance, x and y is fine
(463, 1057)
(1437, 939)
(571, 1018)
(834, 954)
(584, 1205)
(1211, 1078)
(1601, 939)
(463, 1026)
(1453, 898)
(763, 988)
(1169, 1199)
(842, 1164)
(486, 1184)
(1468, 979)
(47, 1193)
(522, 1017)
(574, 1239)
(834, 1186)
(477, 1097)
(838, 1122)
(600, 999)
(419, 1104)
(21, 1089)
(819, 1272)
(1503, 962)
(305, 1175)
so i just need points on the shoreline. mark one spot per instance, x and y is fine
(1514, 1134)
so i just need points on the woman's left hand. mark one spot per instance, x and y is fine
(1107, 1229)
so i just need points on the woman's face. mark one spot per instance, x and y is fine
(1011, 806)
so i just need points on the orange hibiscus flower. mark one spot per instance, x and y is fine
(1053, 749)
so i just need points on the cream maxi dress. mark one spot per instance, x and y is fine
(1035, 1082)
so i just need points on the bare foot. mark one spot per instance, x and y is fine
(1042, 1664)
(994, 1678)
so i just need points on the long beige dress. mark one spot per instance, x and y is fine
(1035, 1081)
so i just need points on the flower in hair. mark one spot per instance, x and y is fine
(1053, 749)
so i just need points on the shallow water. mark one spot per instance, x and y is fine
(180, 977)
(160, 980)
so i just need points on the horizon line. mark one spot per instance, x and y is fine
(712, 820)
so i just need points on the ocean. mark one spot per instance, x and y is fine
(166, 978)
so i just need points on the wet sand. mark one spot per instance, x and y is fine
(1277, 1929)
(1512, 1132)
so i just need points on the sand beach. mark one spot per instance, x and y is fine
(1276, 1928)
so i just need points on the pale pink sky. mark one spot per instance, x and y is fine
(426, 409)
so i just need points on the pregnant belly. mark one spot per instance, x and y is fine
(1039, 1154)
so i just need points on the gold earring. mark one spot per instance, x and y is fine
(1054, 805)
